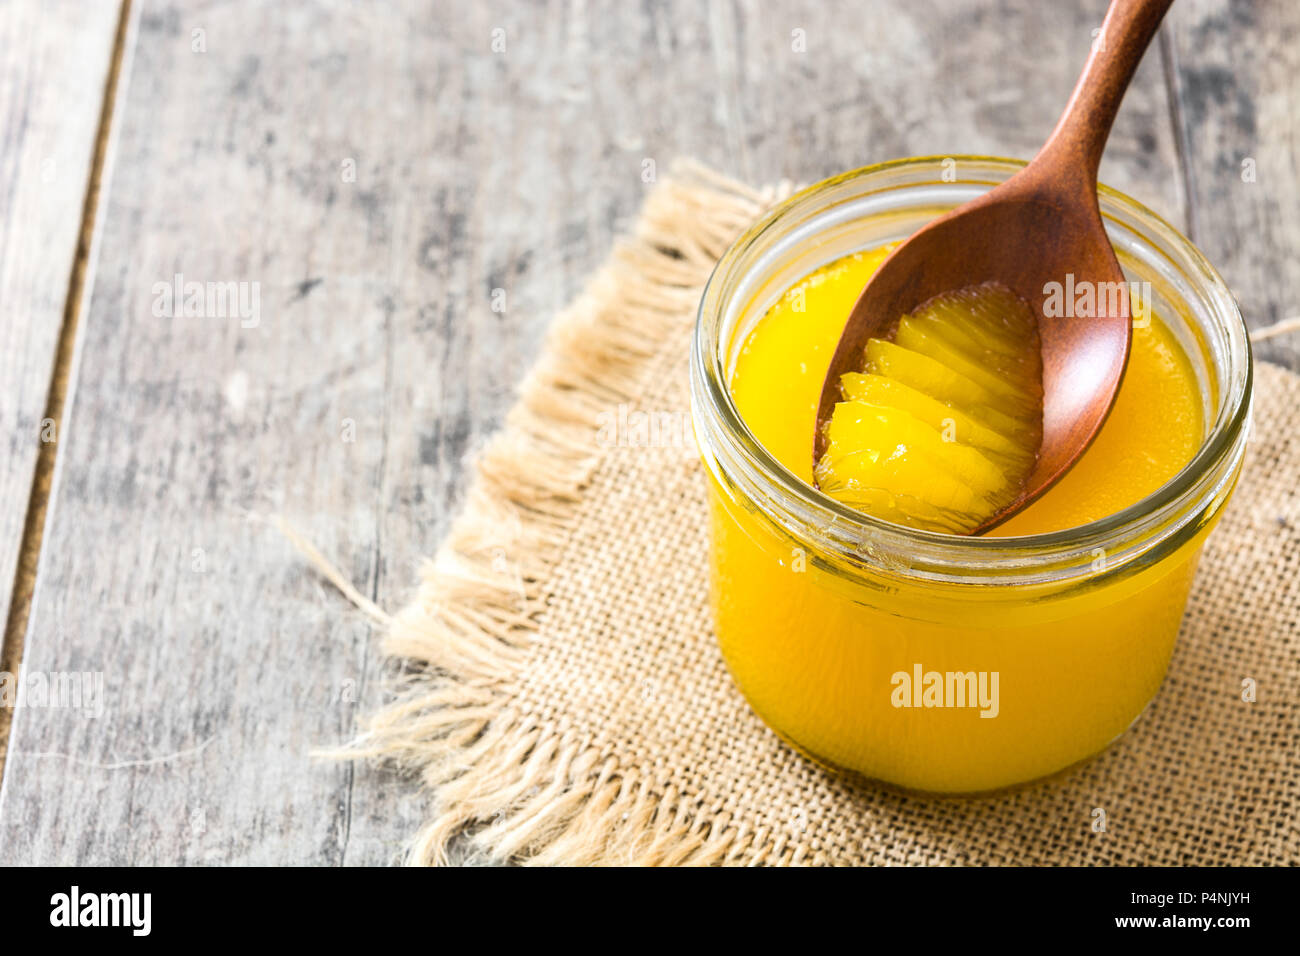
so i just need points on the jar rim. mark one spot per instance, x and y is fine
(1203, 479)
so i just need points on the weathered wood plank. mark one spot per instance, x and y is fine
(54, 62)
(225, 660)
(1235, 69)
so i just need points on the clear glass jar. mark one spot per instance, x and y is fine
(818, 608)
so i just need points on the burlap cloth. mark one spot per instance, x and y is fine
(565, 701)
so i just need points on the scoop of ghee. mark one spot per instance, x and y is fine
(942, 427)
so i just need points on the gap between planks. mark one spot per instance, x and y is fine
(1169, 70)
(24, 583)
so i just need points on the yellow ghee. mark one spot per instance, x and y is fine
(1153, 430)
(933, 685)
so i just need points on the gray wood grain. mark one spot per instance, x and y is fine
(475, 170)
(1235, 68)
(54, 59)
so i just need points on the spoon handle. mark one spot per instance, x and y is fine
(1080, 134)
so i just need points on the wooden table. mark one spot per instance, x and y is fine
(378, 170)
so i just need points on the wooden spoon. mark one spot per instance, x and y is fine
(1040, 226)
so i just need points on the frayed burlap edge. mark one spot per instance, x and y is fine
(525, 793)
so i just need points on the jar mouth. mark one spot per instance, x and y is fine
(1188, 499)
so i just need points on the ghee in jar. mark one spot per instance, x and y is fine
(941, 687)
(1154, 428)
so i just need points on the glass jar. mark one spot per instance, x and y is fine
(1038, 651)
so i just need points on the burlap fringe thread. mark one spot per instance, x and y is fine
(530, 792)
